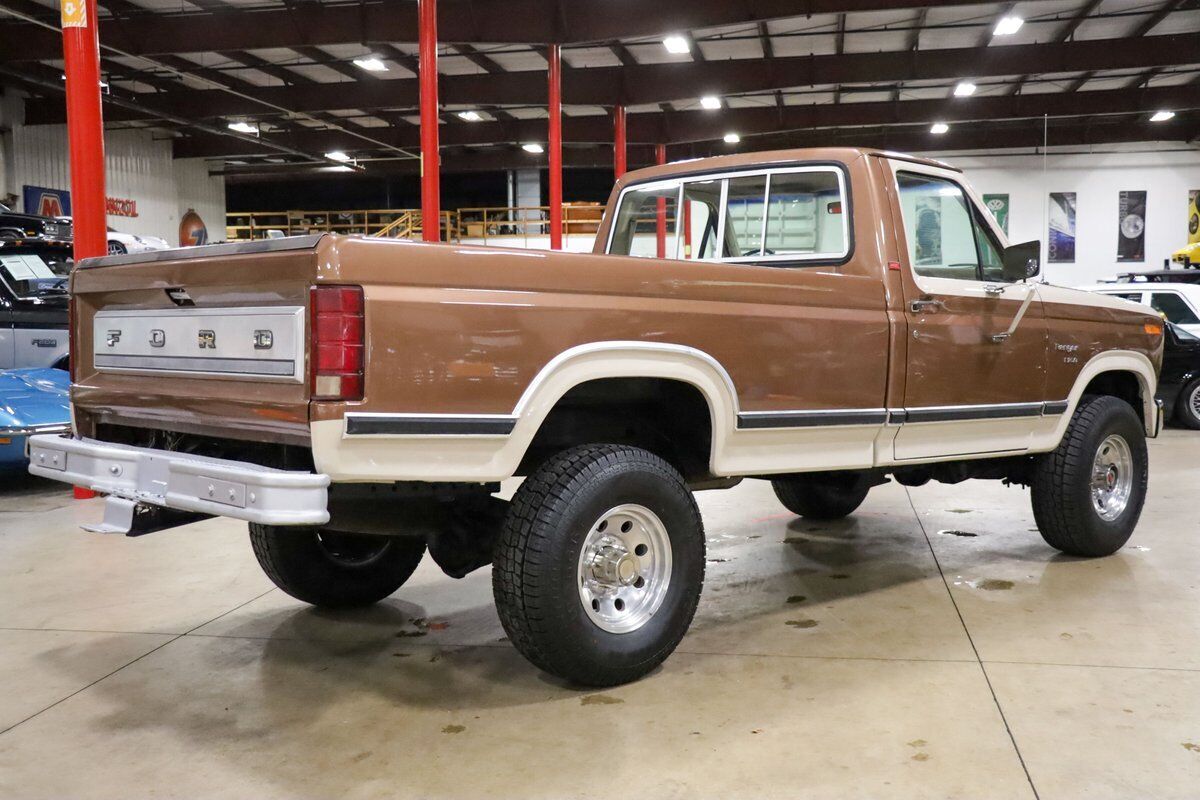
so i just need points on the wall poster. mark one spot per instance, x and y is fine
(1062, 228)
(998, 204)
(1194, 216)
(1131, 227)
(929, 230)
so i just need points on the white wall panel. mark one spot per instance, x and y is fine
(139, 167)
(1097, 179)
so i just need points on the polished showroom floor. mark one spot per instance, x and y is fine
(930, 646)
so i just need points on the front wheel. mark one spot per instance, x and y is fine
(332, 569)
(1088, 493)
(116, 249)
(821, 496)
(599, 564)
(1187, 408)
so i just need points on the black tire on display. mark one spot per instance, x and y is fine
(1088, 493)
(821, 497)
(335, 570)
(1187, 408)
(600, 564)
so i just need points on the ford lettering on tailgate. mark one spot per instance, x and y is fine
(221, 342)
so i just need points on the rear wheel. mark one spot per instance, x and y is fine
(332, 569)
(116, 249)
(1088, 493)
(1187, 408)
(821, 497)
(600, 564)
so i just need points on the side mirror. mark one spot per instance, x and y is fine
(1022, 261)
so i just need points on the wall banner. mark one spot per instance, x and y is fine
(1062, 228)
(1131, 227)
(998, 204)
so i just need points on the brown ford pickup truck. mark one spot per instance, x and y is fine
(824, 319)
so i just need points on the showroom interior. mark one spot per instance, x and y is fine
(700, 398)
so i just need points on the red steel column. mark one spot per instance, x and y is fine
(660, 157)
(619, 148)
(85, 136)
(556, 163)
(431, 201)
(85, 126)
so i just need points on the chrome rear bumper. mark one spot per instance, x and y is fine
(182, 481)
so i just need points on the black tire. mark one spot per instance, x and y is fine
(1187, 407)
(536, 577)
(1063, 505)
(335, 570)
(821, 497)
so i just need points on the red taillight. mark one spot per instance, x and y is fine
(336, 357)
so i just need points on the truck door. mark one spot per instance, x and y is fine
(974, 383)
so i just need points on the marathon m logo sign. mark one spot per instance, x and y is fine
(47, 202)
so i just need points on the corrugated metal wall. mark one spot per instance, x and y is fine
(139, 167)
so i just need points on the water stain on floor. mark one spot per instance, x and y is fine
(992, 585)
(796, 598)
(1195, 748)
(454, 729)
(964, 534)
(599, 700)
(959, 511)
(802, 623)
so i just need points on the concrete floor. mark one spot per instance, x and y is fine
(883, 656)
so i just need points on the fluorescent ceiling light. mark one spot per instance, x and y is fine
(965, 89)
(1162, 116)
(533, 147)
(939, 128)
(1007, 26)
(469, 116)
(243, 127)
(337, 155)
(677, 45)
(710, 102)
(371, 64)
(732, 138)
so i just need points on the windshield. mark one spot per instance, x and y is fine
(29, 276)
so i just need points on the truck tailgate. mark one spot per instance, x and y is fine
(207, 340)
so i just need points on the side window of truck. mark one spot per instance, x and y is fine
(701, 213)
(805, 215)
(946, 238)
(1174, 308)
(646, 224)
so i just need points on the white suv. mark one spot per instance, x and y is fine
(1177, 302)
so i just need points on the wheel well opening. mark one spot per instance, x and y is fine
(667, 417)
(1124, 385)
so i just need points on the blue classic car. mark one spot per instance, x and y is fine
(31, 401)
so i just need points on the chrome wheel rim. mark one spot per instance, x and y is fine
(1194, 402)
(115, 249)
(1112, 477)
(624, 568)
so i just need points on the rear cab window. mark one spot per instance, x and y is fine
(787, 217)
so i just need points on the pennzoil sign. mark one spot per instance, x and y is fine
(120, 207)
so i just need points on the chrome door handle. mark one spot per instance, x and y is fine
(925, 304)
(993, 289)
